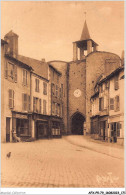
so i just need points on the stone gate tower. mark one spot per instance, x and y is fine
(77, 81)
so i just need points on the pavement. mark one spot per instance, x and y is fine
(110, 149)
(60, 163)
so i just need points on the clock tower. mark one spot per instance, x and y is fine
(77, 81)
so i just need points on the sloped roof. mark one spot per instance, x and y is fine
(40, 68)
(85, 32)
(3, 42)
(10, 34)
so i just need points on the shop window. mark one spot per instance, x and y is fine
(56, 128)
(111, 103)
(25, 75)
(23, 127)
(26, 102)
(115, 129)
(117, 104)
(44, 107)
(11, 71)
(37, 85)
(44, 88)
(11, 98)
(101, 104)
(116, 82)
(118, 129)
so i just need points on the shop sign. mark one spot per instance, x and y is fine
(21, 116)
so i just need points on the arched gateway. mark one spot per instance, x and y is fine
(77, 121)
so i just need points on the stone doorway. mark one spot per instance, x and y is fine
(77, 122)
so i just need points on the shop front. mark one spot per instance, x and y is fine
(55, 127)
(116, 129)
(95, 127)
(103, 129)
(21, 125)
(41, 126)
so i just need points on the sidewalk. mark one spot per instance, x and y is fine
(110, 149)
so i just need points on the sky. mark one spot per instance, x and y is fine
(48, 29)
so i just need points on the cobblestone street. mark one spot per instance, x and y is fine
(58, 163)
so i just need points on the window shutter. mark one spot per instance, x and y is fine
(44, 106)
(102, 103)
(6, 69)
(34, 104)
(13, 99)
(22, 101)
(40, 105)
(115, 104)
(26, 77)
(10, 98)
(118, 103)
(15, 73)
(38, 85)
(28, 102)
(35, 84)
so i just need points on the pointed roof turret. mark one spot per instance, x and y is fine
(85, 32)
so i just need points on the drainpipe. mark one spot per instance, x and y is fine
(68, 121)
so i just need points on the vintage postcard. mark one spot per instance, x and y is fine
(62, 95)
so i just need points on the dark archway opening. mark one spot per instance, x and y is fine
(77, 124)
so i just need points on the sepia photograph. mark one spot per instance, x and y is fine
(62, 94)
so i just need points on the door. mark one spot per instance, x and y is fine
(7, 129)
(104, 127)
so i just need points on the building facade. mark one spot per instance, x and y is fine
(107, 121)
(15, 98)
(27, 103)
(61, 93)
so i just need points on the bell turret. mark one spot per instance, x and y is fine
(86, 45)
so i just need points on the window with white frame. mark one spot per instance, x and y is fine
(117, 103)
(101, 104)
(111, 103)
(25, 77)
(26, 102)
(11, 71)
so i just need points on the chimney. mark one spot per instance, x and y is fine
(43, 59)
(12, 47)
